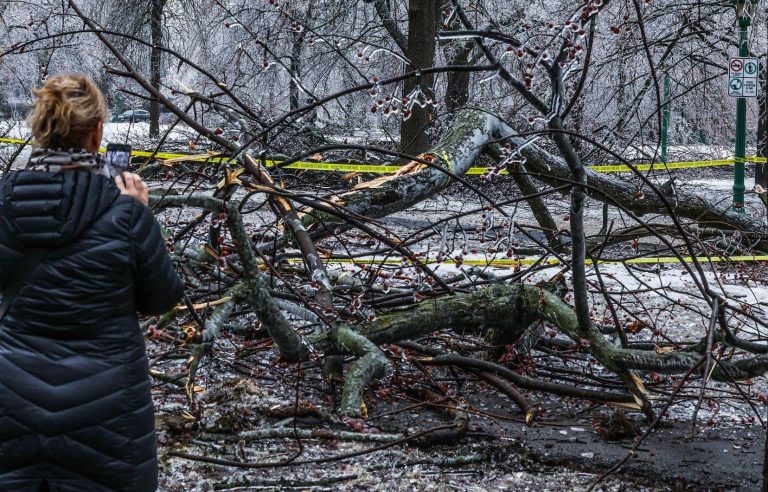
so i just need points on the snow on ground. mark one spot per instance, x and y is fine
(135, 134)
(719, 184)
(684, 152)
(113, 132)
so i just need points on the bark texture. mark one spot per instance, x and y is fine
(155, 62)
(422, 15)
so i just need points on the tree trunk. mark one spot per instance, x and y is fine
(421, 52)
(414, 182)
(457, 90)
(155, 63)
(390, 24)
(507, 310)
(295, 70)
(472, 131)
(577, 123)
(639, 199)
(297, 50)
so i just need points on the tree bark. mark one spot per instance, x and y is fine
(502, 313)
(457, 90)
(155, 63)
(297, 50)
(641, 199)
(390, 24)
(421, 52)
(456, 152)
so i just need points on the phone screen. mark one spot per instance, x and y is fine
(117, 158)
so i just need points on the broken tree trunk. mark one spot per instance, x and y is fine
(473, 133)
(414, 182)
(501, 313)
(640, 199)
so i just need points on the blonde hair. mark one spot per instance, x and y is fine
(67, 109)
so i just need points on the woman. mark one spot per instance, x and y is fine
(75, 405)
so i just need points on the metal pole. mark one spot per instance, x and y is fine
(665, 119)
(741, 125)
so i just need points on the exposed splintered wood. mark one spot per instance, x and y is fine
(500, 313)
(456, 152)
(331, 379)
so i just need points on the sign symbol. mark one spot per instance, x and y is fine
(736, 65)
(750, 67)
(736, 84)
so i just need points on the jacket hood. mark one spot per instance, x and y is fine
(45, 209)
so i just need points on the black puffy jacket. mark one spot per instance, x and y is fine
(75, 403)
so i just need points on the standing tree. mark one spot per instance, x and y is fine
(155, 62)
(418, 46)
(421, 52)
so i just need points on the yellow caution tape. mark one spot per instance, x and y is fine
(338, 167)
(515, 262)
(661, 166)
(13, 141)
(171, 158)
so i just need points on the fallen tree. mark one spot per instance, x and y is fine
(500, 313)
(476, 132)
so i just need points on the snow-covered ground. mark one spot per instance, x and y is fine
(684, 152)
(113, 132)
(135, 134)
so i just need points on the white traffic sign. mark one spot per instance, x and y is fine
(742, 77)
(750, 87)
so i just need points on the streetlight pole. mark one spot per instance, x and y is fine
(665, 117)
(741, 122)
(744, 11)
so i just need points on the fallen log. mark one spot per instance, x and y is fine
(476, 132)
(503, 312)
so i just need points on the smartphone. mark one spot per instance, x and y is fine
(117, 158)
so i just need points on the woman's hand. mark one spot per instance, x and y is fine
(131, 184)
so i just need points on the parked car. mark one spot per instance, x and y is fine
(133, 116)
